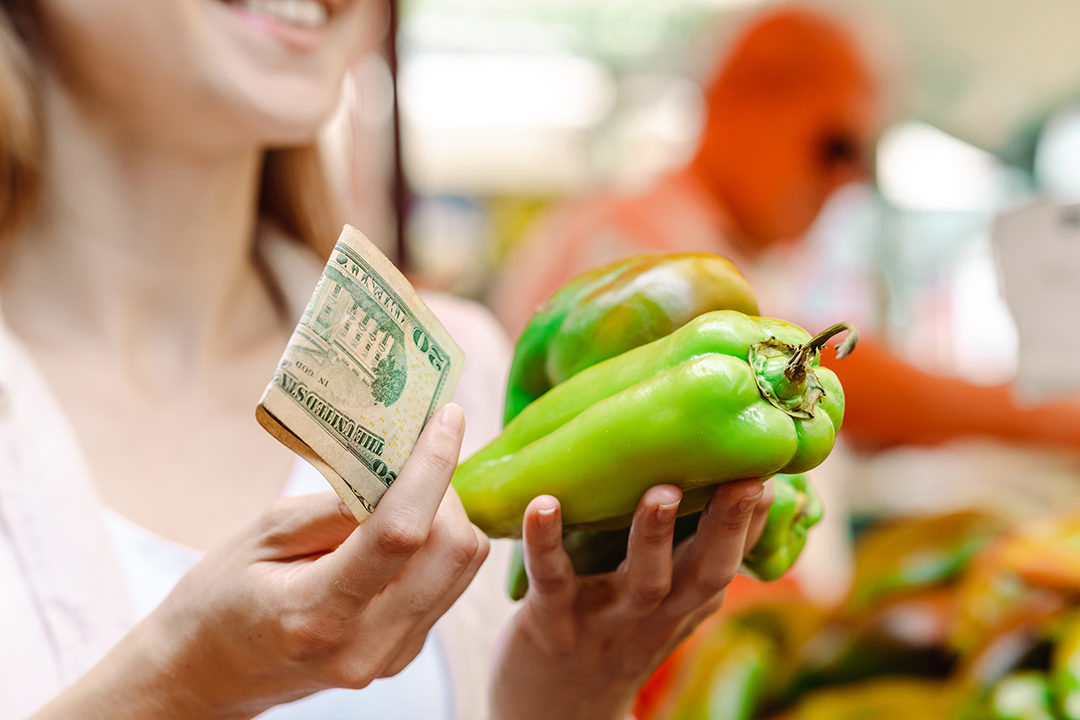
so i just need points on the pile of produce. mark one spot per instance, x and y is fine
(952, 616)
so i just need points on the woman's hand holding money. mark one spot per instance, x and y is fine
(305, 600)
(581, 646)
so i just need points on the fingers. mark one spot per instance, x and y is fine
(759, 517)
(434, 577)
(368, 630)
(399, 527)
(418, 592)
(418, 491)
(551, 575)
(706, 565)
(438, 578)
(648, 562)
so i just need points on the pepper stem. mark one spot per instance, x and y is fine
(795, 370)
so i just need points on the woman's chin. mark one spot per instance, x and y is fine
(289, 118)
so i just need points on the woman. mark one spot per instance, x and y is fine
(153, 156)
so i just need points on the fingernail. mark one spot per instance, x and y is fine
(750, 501)
(666, 513)
(453, 419)
(547, 517)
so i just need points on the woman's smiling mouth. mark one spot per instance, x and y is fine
(299, 24)
(308, 14)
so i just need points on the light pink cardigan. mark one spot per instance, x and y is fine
(63, 602)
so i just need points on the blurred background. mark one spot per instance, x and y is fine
(506, 113)
(505, 110)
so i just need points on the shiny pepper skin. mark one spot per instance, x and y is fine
(605, 312)
(694, 409)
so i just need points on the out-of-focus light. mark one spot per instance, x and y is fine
(986, 345)
(729, 4)
(679, 113)
(505, 91)
(479, 31)
(924, 169)
(1057, 156)
(655, 128)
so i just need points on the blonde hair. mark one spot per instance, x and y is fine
(295, 193)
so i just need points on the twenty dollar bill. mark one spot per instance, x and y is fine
(364, 371)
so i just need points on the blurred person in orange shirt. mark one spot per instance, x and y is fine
(791, 115)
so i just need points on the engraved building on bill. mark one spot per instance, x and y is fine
(358, 337)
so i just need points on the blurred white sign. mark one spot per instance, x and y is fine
(1038, 248)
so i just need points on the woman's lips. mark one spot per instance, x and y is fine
(299, 24)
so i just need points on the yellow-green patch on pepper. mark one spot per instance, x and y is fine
(605, 312)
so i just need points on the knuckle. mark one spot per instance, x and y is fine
(648, 595)
(483, 545)
(550, 584)
(352, 674)
(712, 605)
(730, 523)
(399, 537)
(408, 653)
(353, 679)
(306, 637)
(368, 662)
(462, 547)
(362, 660)
(710, 584)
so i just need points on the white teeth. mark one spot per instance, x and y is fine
(304, 13)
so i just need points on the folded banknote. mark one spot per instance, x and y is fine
(366, 368)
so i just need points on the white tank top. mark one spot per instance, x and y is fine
(152, 565)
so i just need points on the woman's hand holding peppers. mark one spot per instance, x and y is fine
(580, 646)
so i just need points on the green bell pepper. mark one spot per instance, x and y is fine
(796, 507)
(605, 312)
(725, 397)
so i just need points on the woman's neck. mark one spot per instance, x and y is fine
(138, 250)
